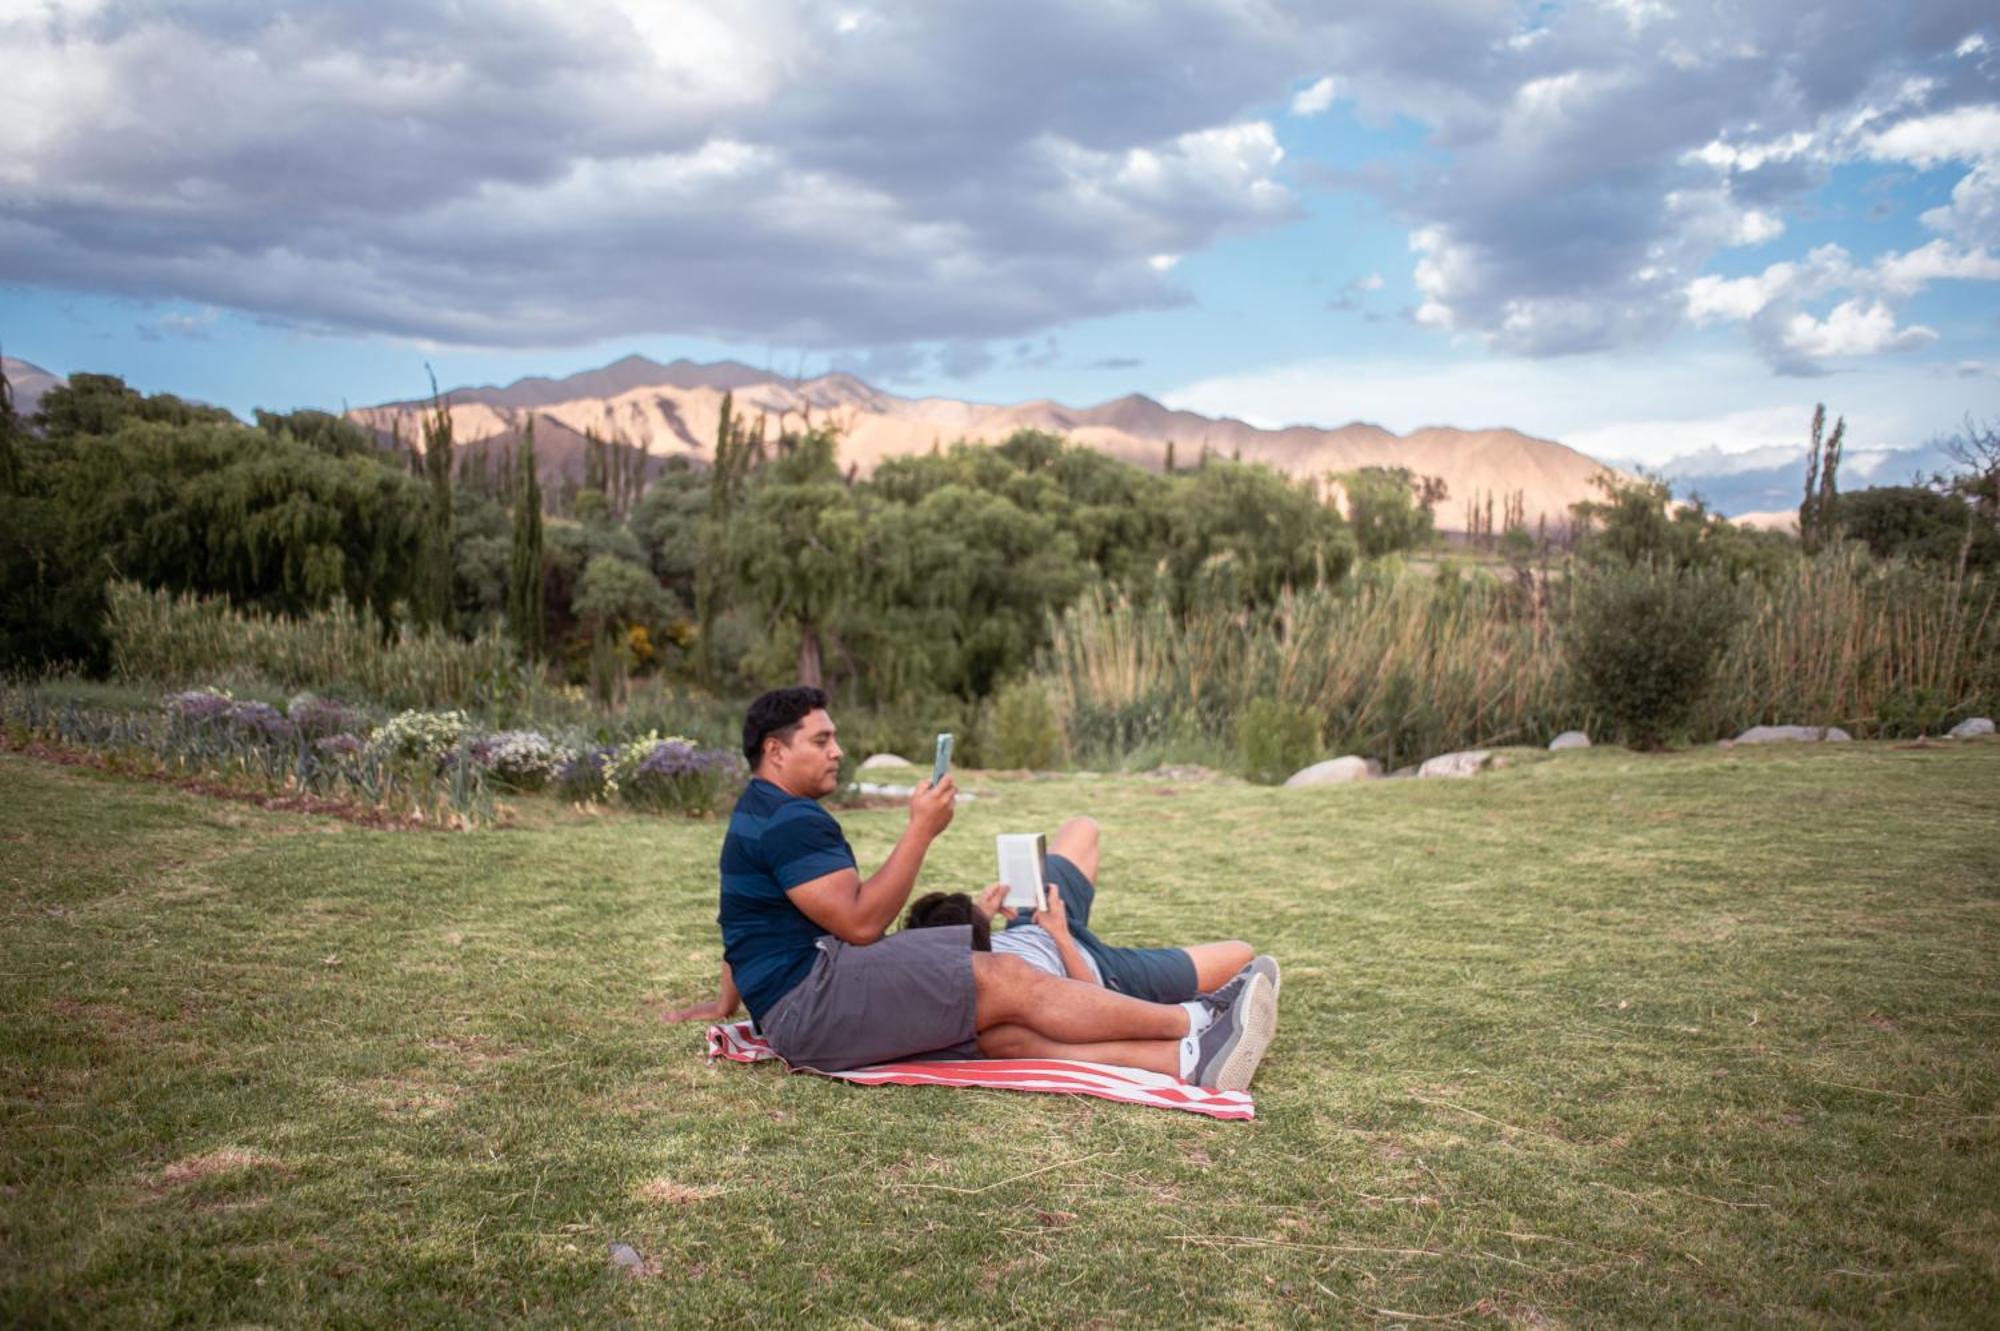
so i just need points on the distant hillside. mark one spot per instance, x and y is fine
(621, 376)
(672, 410)
(29, 382)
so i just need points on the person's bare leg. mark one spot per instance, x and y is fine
(1216, 963)
(1008, 991)
(1009, 1041)
(1076, 841)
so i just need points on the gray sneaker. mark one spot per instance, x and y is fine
(1234, 1045)
(1224, 996)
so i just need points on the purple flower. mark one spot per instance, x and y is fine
(322, 716)
(260, 718)
(198, 706)
(341, 746)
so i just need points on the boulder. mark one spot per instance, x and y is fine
(1468, 762)
(1569, 739)
(889, 791)
(1780, 734)
(1976, 725)
(882, 760)
(1336, 771)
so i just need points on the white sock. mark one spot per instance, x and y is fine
(1200, 1015)
(1190, 1056)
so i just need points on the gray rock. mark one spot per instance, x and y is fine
(625, 1255)
(882, 760)
(1468, 762)
(1569, 739)
(1804, 734)
(894, 792)
(1976, 725)
(1336, 771)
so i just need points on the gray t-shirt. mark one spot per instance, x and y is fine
(1037, 946)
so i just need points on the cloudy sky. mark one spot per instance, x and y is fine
(1645, 227)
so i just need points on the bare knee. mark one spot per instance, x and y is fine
(1076, 841)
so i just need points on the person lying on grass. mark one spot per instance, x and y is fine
(804, 947)
(1059, 940)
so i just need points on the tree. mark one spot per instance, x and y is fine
(434, 601)
(1918, 523)
(1240, 532)
(525, 618)
(795, 545)
(1384, 510)
(1818, 521)
(1976, 451)
(10, 442)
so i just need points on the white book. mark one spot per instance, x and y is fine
(1024, 868)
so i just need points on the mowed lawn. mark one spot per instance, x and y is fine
(1600, 1040)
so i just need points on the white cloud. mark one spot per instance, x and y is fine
(1854, 328)
(1965, 133)
(1316, 99)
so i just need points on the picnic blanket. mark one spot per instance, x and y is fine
(740, 1043)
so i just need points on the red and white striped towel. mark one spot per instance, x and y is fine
(740, 1043)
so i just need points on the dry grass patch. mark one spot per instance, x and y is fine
(224, 1160)
(667, 1192)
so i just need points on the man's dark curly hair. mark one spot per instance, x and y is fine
(940, 908)
(777, 713)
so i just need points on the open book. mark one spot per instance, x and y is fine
(1024, 867)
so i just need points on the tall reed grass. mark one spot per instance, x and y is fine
(1400, 666)
(162, 639)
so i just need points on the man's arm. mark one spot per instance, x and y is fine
(722, 1008)
(1056, 921)
(860, 912)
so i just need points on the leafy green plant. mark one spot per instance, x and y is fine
(1021, 728)
(1276, 739)
(1644, 642)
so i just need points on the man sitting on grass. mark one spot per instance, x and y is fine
(803, 943)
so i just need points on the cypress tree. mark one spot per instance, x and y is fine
(10, 452)
(436, 583)
(524, 572)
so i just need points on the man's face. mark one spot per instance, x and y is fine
(810, 764)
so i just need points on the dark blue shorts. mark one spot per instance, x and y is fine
(1156, 974)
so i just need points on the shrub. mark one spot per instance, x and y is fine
(583, 775)
(419, 738)
(676, 775)
(1021, 728)
(521, 760)
(317, 717)
(1644, 641)
(1275, 739)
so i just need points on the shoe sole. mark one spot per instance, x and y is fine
(1238, 1061)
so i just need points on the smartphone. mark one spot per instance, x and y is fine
(943, 761)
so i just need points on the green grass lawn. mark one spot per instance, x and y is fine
(1597, 1041)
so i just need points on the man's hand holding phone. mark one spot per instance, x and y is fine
(932, 806)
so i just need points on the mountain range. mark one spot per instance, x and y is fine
(673, 410)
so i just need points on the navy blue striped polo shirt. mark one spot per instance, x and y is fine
(776, 841)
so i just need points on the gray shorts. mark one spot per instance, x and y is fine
(907, 996)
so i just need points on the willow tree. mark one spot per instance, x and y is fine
(525, 611)
(795, 545)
